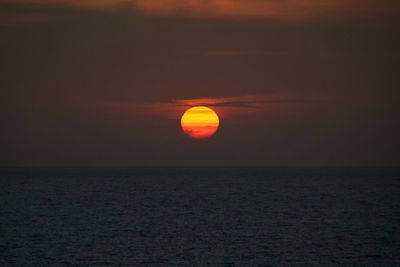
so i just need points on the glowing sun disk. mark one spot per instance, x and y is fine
(200, 122)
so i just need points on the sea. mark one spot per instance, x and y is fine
(200, 216)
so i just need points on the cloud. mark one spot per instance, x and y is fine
(38, 11)
(12, 18)
(236, 104)
(285, 10)
(226, 106)
(73, 3)
(232, 52)
(245, 101)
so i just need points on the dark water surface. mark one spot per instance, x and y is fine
(200, 216)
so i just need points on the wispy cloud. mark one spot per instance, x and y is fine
(38, 11)
(237, 52)
(285, 9)
(17, 17)
(252, 101)
(225, 106)
(74, 3)
(226, 9)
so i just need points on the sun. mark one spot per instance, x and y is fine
(200, 122)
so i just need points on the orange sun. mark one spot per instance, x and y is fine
(200, 122)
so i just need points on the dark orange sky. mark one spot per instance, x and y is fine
(296, 82)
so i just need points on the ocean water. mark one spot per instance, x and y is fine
(200, 216)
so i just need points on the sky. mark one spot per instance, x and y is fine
(105, 82)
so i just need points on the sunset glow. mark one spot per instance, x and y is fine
(200, 122)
